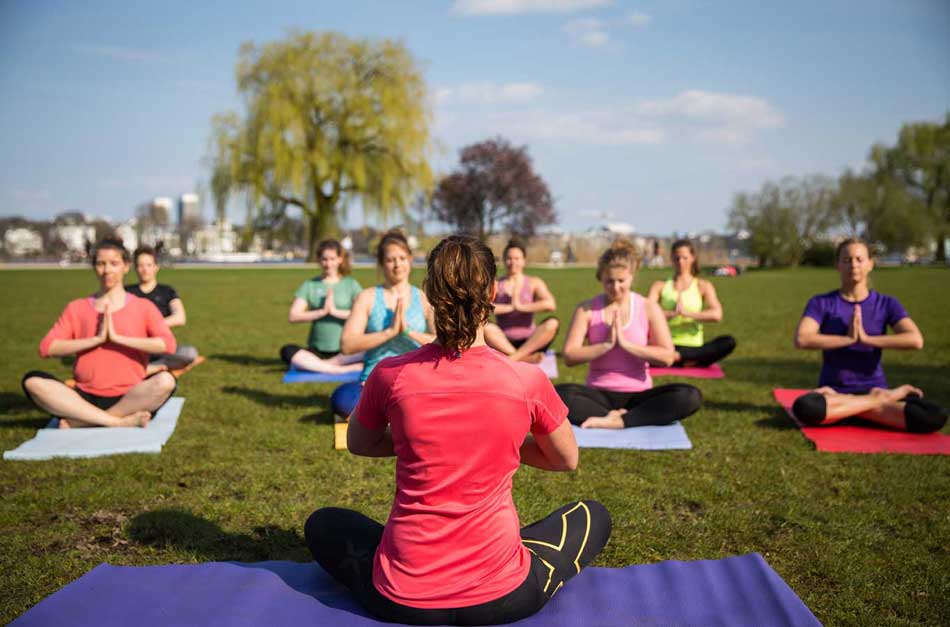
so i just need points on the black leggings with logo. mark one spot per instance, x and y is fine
(344, 543)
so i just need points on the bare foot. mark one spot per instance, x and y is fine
(64, 424)
(533, 358)
(153, 368)
(904, 391)
(613, 420)
(137, 419)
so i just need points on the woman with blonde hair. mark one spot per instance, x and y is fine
(460, 418)
(621, 334)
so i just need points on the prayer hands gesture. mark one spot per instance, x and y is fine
(399, 317)
(856, 332)
(516, 294)
(329, 307)
(106, 330)
(502, 308)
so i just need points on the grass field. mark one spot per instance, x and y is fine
(862, 539)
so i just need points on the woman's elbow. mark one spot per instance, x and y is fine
(918, 343)
(346, 345)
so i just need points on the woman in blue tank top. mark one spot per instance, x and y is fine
(386, 320)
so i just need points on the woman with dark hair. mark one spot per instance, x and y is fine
(625, 333)
(169, 304)
(687, 303)
(388, 319)
(460, 419)
(325, 302)
(849, 325)
(518, 298)
(112, 333)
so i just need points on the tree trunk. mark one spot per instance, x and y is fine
(941, 251)
(320, 225)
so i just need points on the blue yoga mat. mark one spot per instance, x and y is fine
(645, 438)
(97, 442)
(733, 591)
(305, 376)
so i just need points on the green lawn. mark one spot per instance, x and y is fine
(862, 539)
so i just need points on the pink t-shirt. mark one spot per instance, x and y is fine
(618, 370)
(517, 325)
(453, 535)
(109, 369)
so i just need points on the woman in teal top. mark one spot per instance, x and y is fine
(386, 320)
(325, 302)
(688, 302)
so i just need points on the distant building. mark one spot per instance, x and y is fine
(126, 232)
(215, 239)
(161, 210)
(189, 210)
(75, 237)
(21, 242)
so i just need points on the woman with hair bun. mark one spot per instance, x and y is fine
(518, 298)
(325, 302)
(460, 419)
(112, 333)
(849, 326)
(388, 319)
(687, 303)
(625, 333)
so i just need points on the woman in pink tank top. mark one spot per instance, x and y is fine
(625, 333)
(517, 299)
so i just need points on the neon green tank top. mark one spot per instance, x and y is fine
(685, 331)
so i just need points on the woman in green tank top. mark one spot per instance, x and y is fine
(324, 302)
(688, 302)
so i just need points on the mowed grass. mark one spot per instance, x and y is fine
(862, 539)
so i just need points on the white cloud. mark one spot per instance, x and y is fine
(589, 32)
(716, 107)
(512, 7)
(488, 93)
(637, 19)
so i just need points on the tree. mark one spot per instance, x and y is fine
(784, 218)
(494, 186)
(329, 120)
(877, 207)
(921, 161)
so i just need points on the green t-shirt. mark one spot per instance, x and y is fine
(325, 333)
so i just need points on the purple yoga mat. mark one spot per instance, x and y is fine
(733, 591)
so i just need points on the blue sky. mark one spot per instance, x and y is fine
(651, 113)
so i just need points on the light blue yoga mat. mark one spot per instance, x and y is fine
(645, 438)
(305, 376)
(97, 442)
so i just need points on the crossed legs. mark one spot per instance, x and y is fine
(529, 350)
(902, 408)
(304, 359)
(134, 409)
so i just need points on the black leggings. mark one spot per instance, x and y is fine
(344, 543)
(920, 415)
(660, 405)
(707, 354)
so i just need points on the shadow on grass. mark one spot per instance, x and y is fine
(319, 418)
(269, 399)
(732, 406)
(12, 402)
(249, 360)
(179, 529)
(778, 421)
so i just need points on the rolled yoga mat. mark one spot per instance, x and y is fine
(740, 590)
(848, 437)
(99, 441)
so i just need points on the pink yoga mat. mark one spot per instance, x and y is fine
(860, 439)
(706, 372)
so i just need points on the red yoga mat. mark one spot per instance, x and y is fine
(860, 439)
(706, 372)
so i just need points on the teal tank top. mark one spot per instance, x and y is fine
(381, 318)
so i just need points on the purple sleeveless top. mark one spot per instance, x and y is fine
(517, 325)
(618, 370)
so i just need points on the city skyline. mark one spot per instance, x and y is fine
(649, 113)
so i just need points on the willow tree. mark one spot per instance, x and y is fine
(327, 121)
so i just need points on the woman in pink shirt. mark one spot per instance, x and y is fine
(517, 299)
(625, 333)
(460, 418)
(112, 334)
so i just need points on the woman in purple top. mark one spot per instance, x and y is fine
(849, 325)
(518, 298)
